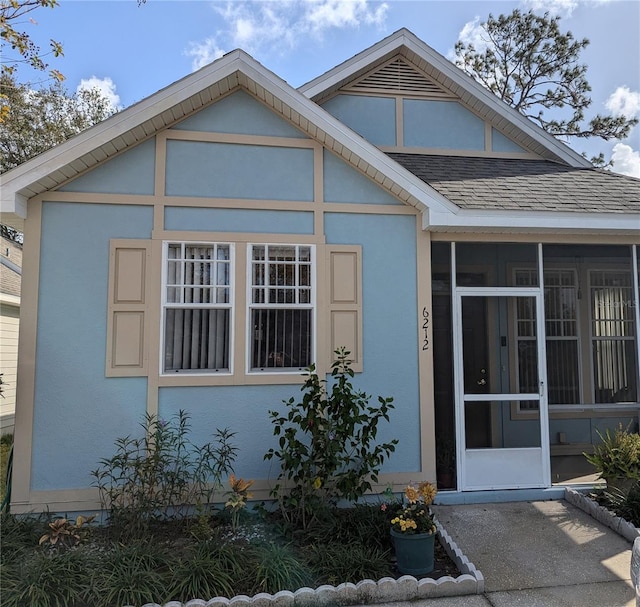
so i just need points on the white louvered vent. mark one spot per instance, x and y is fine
(398, 76)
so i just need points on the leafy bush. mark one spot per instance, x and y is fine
(162, 474)
(6, 441)
(618, 455)
(326, 446)
(625, 505)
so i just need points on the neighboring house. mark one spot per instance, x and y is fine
(199, 249)
(10, 278)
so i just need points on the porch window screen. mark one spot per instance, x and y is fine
(613, 336)
(561, 329)
(197, 307)
(281, 306)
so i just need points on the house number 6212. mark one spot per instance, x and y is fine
(425, 329)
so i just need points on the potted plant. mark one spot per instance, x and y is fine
(413, 530)
(617, 458)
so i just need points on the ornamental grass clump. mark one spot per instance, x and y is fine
(415, 517)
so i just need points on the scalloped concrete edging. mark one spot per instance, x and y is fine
(601, 514)
(366, 592)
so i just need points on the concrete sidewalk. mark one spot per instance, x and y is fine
(538, 554)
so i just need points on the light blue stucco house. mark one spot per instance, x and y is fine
(199, 249)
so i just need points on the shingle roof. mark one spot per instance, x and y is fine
(535, 185)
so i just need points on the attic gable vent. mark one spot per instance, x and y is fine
(398, 76)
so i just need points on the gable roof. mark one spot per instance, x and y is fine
(441, 74)
(508, 184)
(236, 70)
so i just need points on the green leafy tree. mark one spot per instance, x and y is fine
(534, 67)
(37, 119)
(40, 118)
(17, 45)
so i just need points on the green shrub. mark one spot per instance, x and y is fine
(209, 570)
(618, 455)
(161, 475)
(326, 445)
(336, 563)
(132, 574)
(20, 534)
(279, 568)
(6, 441)
(625, 505)
(48, 580)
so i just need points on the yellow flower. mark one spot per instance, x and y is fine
(239, 485)
(317, 483)
(411, 494)
(427, 492)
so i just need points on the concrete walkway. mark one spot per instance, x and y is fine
(538, 554)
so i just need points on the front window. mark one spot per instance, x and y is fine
(281, 306)
(197, 307)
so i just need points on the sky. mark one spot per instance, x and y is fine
(131, 51)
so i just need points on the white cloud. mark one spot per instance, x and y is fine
(625, 102)
(559, 8)
(626, 160)
(106, 86)
(203, 53)
(282, 25)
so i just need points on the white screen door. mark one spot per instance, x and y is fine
(500, 387)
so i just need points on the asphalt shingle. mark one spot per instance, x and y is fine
(514, 184)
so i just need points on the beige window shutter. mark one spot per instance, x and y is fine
(127, 347)
(344, 276)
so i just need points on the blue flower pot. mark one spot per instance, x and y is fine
(414, 553)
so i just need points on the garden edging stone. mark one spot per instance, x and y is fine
(601, 514)
(367, 592)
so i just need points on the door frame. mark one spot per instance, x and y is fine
(496, 457)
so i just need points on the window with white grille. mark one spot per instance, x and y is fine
(198, 299)
(281, 306)
(613, 336)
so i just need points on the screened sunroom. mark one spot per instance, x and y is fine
(522, 399)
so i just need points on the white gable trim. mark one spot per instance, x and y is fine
(144, 119)
(405, 41)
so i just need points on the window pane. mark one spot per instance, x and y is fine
(614, 371)
(563, 372)
(196, 339)
(281, 338)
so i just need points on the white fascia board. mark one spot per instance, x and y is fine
(404, 38)
(526, 221)
(12, 203)
(115, 126)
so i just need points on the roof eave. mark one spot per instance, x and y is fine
(517, 222)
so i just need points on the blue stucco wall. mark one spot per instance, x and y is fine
(78, 413)
(441, 124)
(238, 220)
(131, 172)
(342, 183)
(239, 113)
(226, 170)
(372, 117)
(242, 409)
(390, 333)
(500, 143)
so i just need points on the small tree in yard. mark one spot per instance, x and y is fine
(326, 445)
(530, 64)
